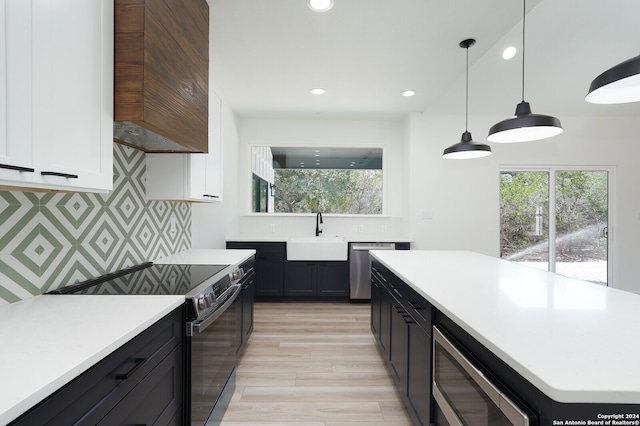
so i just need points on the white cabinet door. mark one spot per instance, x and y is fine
(15, 91)
(197, 176)
(59, 55)
(73, 93)
(214, 157)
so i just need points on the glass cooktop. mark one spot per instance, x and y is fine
(147, 279)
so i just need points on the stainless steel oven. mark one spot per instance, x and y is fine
(465, 396)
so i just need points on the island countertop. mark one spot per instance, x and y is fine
(576, 341)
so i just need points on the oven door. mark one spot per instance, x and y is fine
(464, 395)
(212, 345)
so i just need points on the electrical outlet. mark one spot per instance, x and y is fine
(172, 224)
(272, 227)
(384, 229)
(360, 228)
(427, 214)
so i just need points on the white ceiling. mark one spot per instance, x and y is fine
(268, 54)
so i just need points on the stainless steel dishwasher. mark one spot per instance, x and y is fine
(360, 268)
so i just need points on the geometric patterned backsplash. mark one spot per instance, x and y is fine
(53, 239)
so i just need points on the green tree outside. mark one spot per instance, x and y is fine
(328, 191)
(581, 213)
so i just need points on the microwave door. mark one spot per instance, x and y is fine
(464, 394)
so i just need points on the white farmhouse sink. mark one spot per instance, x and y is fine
(317, 248)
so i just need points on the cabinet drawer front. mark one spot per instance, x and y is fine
(420, 310)
(156, 400)
(88, 398)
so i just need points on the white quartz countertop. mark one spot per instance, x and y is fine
(49, 340)
(207, 257)
(350, 238)
(575, 341)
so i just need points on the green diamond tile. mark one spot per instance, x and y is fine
(53, 239)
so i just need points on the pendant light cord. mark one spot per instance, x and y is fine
(524, 13)
(466, 111)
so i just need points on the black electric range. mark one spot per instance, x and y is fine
(212, 326)
(204, 286)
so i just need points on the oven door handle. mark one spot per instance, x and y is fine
(201, 325)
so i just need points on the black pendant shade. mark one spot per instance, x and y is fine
(467, 148)
(617, 85)
(524, 126)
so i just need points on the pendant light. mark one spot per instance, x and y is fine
(467, 148)
(524, 126)
(617, 85)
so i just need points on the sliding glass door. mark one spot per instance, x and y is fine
(557, 219)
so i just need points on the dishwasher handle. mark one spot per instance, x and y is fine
(372, 246)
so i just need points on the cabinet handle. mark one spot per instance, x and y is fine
(399, 310)
(64, 175)
(139, 363)
(210, 196)
(415, 305)
(17, 168)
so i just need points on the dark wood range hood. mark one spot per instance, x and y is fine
(161, 75)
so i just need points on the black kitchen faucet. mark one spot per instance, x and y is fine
(318, 222)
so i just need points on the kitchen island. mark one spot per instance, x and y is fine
(575, 342)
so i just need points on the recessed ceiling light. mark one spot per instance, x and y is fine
(320, 5)
(509, 53)
(318, 91)
(408, 93)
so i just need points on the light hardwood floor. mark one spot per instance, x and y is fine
(313, 364)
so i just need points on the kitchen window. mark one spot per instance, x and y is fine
(558, 219)
(311, 179)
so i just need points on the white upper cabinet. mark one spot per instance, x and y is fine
(15, 91)
(190, 177)
(181, 177)
(215, 155)
(57, 100)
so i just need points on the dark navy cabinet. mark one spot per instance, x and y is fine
(316, 279)
(139, 383)
(401, 323)
(269, 266)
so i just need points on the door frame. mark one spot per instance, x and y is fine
(611, 215)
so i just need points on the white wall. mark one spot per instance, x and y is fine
(283, 132)
(463, 195)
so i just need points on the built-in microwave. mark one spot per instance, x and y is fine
(465, 396)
